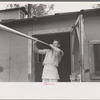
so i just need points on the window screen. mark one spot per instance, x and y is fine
(96, 51)
(94, 59)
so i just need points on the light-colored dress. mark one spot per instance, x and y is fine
(51, 62)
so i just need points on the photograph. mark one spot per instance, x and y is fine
(50, 50)
(49, 42)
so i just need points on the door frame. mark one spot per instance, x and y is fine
(31, 63)
(80, 35)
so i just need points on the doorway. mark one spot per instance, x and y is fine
(64, 68)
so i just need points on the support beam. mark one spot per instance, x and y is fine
(5, 28)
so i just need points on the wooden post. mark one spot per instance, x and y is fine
(33, 62)
(29, 60)
(20, 34)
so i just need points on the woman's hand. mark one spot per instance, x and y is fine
(35, 41)
(51, 45)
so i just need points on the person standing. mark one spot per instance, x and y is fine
(51, 61)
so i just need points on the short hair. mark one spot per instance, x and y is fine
(57, 40)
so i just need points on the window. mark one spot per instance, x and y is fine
(94, 55)
(40, 58)
(21, 15)
(96, 49)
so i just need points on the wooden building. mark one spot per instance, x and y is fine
(79, 36)
(13, 13)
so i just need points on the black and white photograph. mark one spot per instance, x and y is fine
(49, 43)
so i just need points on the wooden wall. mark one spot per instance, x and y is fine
(92, 32)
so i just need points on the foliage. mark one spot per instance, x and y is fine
(96, 6)
(36, 9)
(41, 9)
(13, 6)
